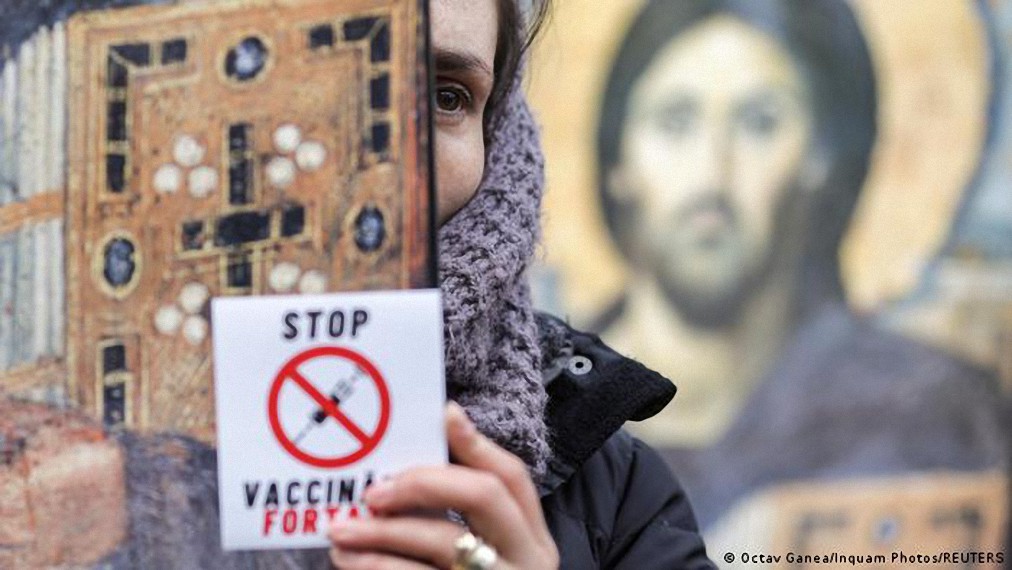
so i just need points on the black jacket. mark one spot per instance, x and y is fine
(609, 499)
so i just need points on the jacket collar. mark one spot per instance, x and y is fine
(592, 392)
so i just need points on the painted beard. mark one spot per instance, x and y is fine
(704, 263)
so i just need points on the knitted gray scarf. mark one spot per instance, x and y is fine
(493, 357)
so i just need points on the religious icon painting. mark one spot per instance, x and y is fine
(158, 155)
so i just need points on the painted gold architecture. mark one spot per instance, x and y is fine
(190, 151)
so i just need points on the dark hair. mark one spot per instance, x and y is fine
(516, 34)
(825, 41)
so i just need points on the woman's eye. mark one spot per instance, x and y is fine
(452, 99)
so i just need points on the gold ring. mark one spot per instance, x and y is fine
(473, 554)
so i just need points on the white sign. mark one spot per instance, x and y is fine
(316, 397)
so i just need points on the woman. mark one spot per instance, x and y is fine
(536, 390)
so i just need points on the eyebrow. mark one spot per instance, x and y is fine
(449, 60)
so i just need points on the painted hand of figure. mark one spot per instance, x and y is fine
(489, 486)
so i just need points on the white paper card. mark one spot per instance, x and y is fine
(316, 396)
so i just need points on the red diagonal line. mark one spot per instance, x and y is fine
(329, 407)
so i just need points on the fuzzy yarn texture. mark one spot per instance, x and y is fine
(493, 356)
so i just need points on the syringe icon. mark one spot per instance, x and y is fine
(343, 390)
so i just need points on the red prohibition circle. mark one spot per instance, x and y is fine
(290, 372)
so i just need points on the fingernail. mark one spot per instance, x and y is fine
(345, 556)
(454, 410)
(458, 416)
(378, 492)
(339, 528)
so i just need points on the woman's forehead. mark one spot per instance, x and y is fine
(466, 27)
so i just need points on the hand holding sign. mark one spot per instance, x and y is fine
(513, 523)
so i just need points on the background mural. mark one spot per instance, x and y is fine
(799, 212)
